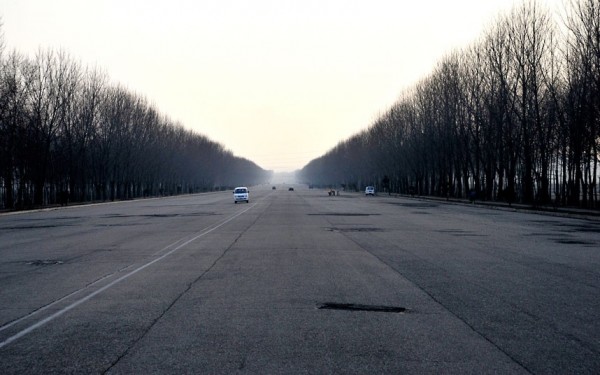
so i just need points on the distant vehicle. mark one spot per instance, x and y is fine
(370, 190)
(241, 194)
(291, 189)
(274, 188)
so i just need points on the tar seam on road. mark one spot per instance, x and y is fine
(436, 300)
(190, 285)
(43, 308)
(113, 283)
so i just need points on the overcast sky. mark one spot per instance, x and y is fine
(279, 82)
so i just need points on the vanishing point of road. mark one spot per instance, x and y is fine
(297, 282)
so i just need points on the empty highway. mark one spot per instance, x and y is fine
(297, 282)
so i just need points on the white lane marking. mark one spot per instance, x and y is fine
(43, 308)
(113, 283)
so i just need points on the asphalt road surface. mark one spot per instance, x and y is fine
(297, 282)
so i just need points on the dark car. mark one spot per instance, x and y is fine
(291, 189)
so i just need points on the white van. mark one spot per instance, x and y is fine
(241, 194)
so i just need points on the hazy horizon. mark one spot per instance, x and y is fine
(275, 82)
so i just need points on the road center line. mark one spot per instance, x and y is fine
(50, 318)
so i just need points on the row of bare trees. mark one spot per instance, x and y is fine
(66, 133)
(513, 117)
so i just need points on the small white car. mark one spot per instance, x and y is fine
(241, 194)
(370, 190)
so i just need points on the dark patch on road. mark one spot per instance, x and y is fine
(356, 229)
(35, 223)
(461, 233)
(44, 262)
(567, 241)
(359, 307)
(469, 235)
(46, 219)
(539, 234)
(350, 214)
(194, 214)
(537, 221)
(35, 226)
(563, 241)
(119, 225)
(571, 231)
(582, 228)
(415, 205)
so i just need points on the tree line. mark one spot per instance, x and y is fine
(514, 116)
(67, 134)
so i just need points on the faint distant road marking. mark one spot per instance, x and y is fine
(113, 283)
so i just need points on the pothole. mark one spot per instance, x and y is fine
(360, 307)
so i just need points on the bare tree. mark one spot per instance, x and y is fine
(503, 118)
(583, 100)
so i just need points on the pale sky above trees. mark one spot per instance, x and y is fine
(277, 82)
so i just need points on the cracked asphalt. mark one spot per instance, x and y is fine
(297, 282)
